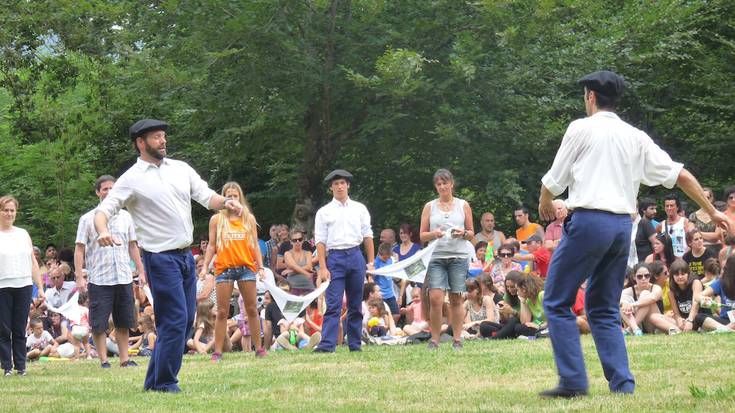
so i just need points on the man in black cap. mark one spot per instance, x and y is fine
(157, 192)
(339, 229)
(602, 161)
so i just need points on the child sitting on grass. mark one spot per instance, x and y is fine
(39, 343)
(203, 341)
(293, 336)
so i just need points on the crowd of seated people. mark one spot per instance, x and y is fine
(682, 280)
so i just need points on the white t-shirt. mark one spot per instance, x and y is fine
(16, 255)
(39, 342)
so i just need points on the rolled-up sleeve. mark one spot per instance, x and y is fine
(559, 177)
(658, 167)
(365, 228)
(320, 228)
(116, 198)
(200, 190)
(82, 229)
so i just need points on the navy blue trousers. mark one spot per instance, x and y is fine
(595, 247)
(172, 278)
(348, 278)
(15, 303)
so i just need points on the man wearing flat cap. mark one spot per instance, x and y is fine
(339, 229)
(157, 192)
(602, 161)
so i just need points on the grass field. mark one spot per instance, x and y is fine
(691, 372)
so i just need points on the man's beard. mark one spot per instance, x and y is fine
(154, 153)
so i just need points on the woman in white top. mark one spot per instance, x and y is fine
(18, 271)
(448, 267)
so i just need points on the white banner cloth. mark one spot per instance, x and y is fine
(70, 309)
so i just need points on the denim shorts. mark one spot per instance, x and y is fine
(447, 274)
(236, 274)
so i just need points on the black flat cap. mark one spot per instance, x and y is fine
(338, 173)
(534, 238)
(146, 125)
(604, 82)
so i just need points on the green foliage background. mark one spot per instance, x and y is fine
(275, 93)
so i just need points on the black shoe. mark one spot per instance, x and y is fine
(8, 373)
(21, 372)
(129, 363)
(321, 350)
(105, 365)
(561, 393)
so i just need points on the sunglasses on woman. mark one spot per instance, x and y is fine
(643, 276)
(296, 239)
(505, 255)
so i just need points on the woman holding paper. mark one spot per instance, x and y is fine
(449, 221)
(234, 239)
(18, 272)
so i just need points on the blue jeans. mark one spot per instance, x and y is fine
(447, 274)
(595, 247)
(236, 274)
(172, 278)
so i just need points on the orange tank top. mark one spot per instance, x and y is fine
(522, 234)
(236, 249)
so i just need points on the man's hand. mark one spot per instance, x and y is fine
(142, 279)
(81, 281)
(546, 210)
(233, 206)
(324, 274)
(724, 222)
(105, 239)
(41, 296)
(370, 266)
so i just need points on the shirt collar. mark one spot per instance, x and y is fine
(143, 165)
(345, 204)
(606, 114)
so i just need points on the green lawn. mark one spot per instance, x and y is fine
(676, 374)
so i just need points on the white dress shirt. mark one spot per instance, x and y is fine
(603, 161)
(342, 225)
(159, 200)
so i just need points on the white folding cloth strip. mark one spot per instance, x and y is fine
(291, 305)
(70, 309)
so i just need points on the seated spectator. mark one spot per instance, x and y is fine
(294, 337)
(660, 277)
(297, 259)
(203, 341)
(510, 297)
(415, 320)
(241, 335)
(638, 306)
(371, 291)
(684, 293)
(39, 343)
(724, 287)
(711, 272)
(531, 318)
(489, 289)
(539, 255)
(526, 228)
(66, 271)
(205, 282)
(698, 254)
(315, 316)
(578, 310)
(283, 246)
(663, 250)
(500, 270)
(386, 284)
(553, 233)
(146, 342)
(479, 265)
(377, 319)
(273, 317)
(80, 330)
(478, 309)
(703, 222)
(728, 249)
(60, 291)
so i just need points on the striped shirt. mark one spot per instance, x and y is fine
(107, 265)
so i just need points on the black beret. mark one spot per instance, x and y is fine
(338, 173)
(604, 82)
(146, 125)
